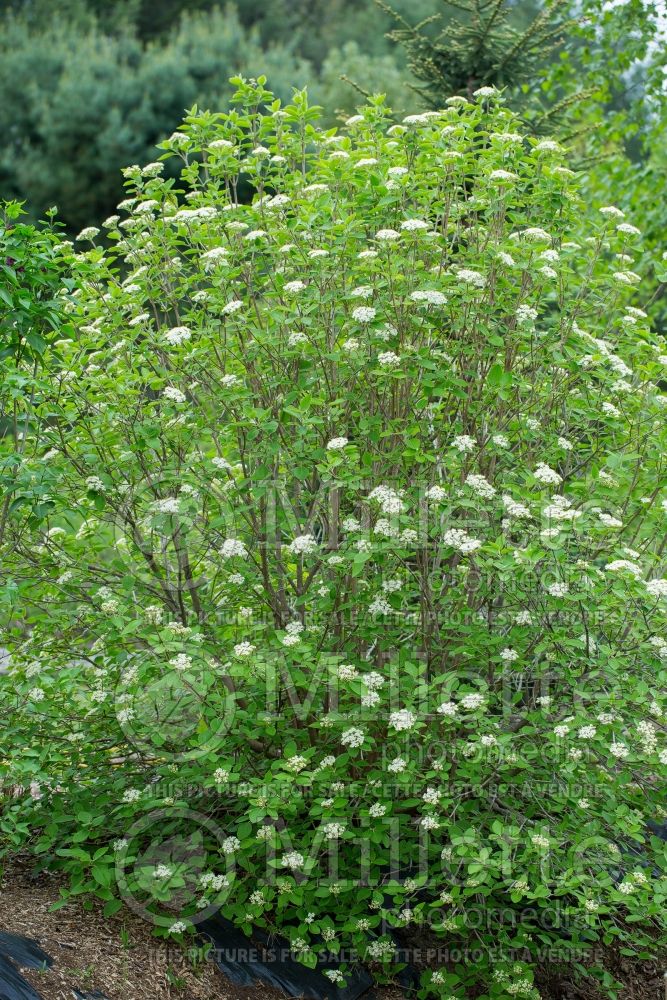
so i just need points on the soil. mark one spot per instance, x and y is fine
(120, 958)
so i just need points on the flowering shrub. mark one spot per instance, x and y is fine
(337, 542)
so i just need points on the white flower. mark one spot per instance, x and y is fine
(294, 287)
(181, 661)
(402, 720)
(609, 521)
(485, 92)
(89, 233)
(526, 314)
(481, 486)
(464, 443)
(626, 277)
(461, 541)
(145, 207)
(303, 545)
(386, 235)
(337, 444)
(244, 649)
(233, 547)
(177, 335)
(657, 588)
(533, 235)
(611, 210)
(503, 175)
(430, 296)
(397, 765)
(292, 860)
(388, 359)
(380, 607)
(364, 314)
(333, 830)
(448, 709)
(544, 474)
(353, 737)
(625, 227)
(561, 730)
(36, 694)
(558, 589)
(414, 225)
(362, 292)
(296, 763)
(179, 926)
(471, 277)
(138, 320)
(587, 732)
(231, 307)
(472, 701)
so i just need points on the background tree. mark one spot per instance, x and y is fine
(85, 95)
(489, 43)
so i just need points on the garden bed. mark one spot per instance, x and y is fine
(119, 958)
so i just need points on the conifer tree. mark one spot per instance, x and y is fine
(483, 45)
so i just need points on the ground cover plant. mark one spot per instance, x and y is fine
(335, 582)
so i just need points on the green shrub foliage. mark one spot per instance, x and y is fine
(335, 550)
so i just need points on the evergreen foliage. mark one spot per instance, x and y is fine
(481, 45)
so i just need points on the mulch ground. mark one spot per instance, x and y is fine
(119, 957)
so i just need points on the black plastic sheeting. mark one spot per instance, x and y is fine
(658, 829)
(246, 961)
(12, 984)
(27, 954)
